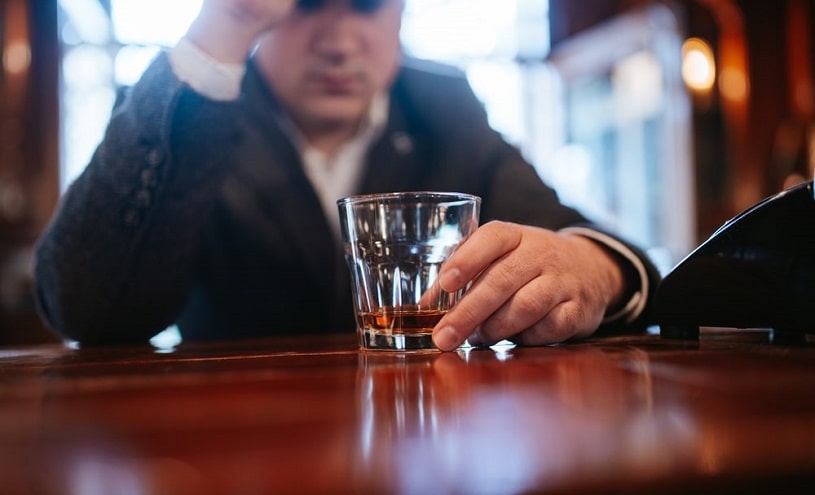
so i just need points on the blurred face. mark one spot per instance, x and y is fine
(330, 57)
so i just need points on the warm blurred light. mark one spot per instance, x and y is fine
(17, 57)
(698, 65)
(733, 84)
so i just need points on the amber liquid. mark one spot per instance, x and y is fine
(406, 321)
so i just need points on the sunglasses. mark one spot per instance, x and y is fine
(361, 6)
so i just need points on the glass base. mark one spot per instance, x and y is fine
(369, 339)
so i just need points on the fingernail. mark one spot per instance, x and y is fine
(446, 339)
(475, 339)
(450, 279)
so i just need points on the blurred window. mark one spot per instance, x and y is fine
(621, 148)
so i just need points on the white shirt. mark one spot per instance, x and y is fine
(334, 177)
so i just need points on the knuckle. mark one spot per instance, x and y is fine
(531, 306)
(509, 231)
(503, 278)
(561, 324)
(466, 313)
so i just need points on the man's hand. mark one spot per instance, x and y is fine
(530, 285)
(227, 30)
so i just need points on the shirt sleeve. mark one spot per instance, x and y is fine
(636, 303)
(205, 75)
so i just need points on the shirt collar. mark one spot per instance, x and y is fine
(370, 128)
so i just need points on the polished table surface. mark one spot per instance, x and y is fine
(636, 414)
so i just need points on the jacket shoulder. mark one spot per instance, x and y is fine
(439, 95)
(431, 68)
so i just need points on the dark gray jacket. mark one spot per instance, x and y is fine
(199, 213)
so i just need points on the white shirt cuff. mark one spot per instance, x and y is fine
(634, 307)
(205, 75)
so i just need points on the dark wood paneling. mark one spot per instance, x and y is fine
(29, 154)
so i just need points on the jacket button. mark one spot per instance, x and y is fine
(154, 157)
(131, 216)
(402, 143)
(143, 197)
(148, 177)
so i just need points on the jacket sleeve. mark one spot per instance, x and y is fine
(512, 190)
(117, 259)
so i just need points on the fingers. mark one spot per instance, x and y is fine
(470, 257)
(227, 30)
(495, 282)
(536, 308)
(488, 244)
(565, 321)
(531, 305)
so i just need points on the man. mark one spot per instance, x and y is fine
(210, 202)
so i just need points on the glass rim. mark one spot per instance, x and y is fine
(392, 197)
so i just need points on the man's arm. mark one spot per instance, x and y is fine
(118, 257)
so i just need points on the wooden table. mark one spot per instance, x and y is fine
(634, 414)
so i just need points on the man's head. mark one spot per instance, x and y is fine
(327, 60)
